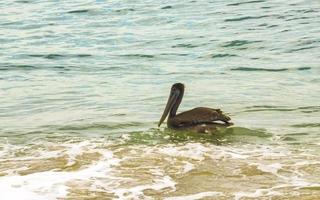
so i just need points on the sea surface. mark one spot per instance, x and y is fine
(84, 83)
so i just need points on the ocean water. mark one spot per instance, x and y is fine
(84, 83)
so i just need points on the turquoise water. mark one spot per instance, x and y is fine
(84, 83)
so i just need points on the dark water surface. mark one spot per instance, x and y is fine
(83, 85)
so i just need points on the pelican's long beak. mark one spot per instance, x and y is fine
(171, 101)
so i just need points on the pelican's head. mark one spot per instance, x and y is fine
(174, 101)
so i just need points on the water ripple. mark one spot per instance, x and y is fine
(17, 67)
(306, 125)
(222, 55)
(268, 70)
(236, 43)
(58, 56)
(246, 2)
(79, 11)
(304, 109)
(166, 7)
(244, 18)
(138, 56)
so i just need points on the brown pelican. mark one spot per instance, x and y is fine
(199, 119)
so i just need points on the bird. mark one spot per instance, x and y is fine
(199, 119)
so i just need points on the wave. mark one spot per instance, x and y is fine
(138, 55)
(244, 18)
(222, 55)
(102, 168)
(58, 56)
(235, 43)
(303, 109)
(78, 11)
(306, 125)
(246, 2)
(268, 69)
(166, 7)
(17, 67)
(221, 136)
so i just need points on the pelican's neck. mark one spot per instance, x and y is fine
(175, 106)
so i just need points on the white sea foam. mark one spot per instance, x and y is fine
(227, 153)
(137, 191)
(74, 150)
(187, 167)
(195, 196)
(269, 168)
(256, 194)
(193, 151)
(53, 184)
(125, 137)
(105, 174)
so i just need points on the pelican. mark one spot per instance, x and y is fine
(199, 119)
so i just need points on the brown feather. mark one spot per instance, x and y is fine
(200, 115)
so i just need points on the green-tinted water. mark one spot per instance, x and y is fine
(83, 85)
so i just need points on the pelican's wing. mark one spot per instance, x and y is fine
(199, 115)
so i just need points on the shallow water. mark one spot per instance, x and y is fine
(83, 85)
